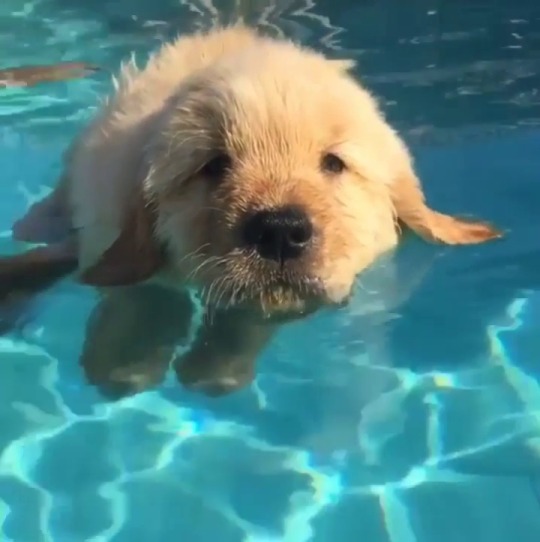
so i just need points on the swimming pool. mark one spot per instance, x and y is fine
(418, 423)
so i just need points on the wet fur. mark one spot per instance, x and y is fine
(139, 210)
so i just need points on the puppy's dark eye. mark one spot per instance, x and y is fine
(332, 163)
(216, 168)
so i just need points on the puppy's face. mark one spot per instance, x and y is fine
(264, 186)
(271, 181)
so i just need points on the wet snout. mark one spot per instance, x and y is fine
(280, 234)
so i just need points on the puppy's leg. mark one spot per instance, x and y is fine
(36, 269)
(223, 356)
(131, 336)
(24, 275)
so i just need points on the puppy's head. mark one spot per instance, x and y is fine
(272, 182)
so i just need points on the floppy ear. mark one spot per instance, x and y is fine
(134, 256)
(412, 209)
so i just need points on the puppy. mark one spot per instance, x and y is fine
(253, 170)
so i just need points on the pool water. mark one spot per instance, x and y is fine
(416, 422)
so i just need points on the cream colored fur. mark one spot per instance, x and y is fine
(274, 107)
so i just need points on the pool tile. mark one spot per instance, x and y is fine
(73, 469)
(352, 519)
(487, 509)
(159, 508)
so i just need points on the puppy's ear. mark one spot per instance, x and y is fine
(343, 64)
(134, 256)
(411, 209)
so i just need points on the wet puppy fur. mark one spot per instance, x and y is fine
(257, 172)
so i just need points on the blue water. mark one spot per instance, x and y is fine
(416, 424)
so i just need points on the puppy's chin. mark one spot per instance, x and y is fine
(273, 294)
(275, 301)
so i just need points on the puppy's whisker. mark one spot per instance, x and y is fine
(194, 252)
(208, 306)
(211, 263)
(232, 289)
(220, 289)
(209, 267)
(217, 292)
(224, 287)
(210, 293)
(235, 290)
(215, 260)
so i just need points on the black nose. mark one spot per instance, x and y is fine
(279, 234)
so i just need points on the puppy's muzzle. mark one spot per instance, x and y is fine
(280, 234)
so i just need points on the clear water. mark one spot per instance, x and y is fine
(420, 424)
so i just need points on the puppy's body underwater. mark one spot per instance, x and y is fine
(255, 170)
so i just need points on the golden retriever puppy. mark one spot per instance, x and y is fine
(253, 170)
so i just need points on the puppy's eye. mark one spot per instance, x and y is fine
(332, 163)
(217, 167)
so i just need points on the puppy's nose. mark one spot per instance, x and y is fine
(279, 234)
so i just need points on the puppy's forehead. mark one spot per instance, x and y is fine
(264, 103)
(264, 95)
